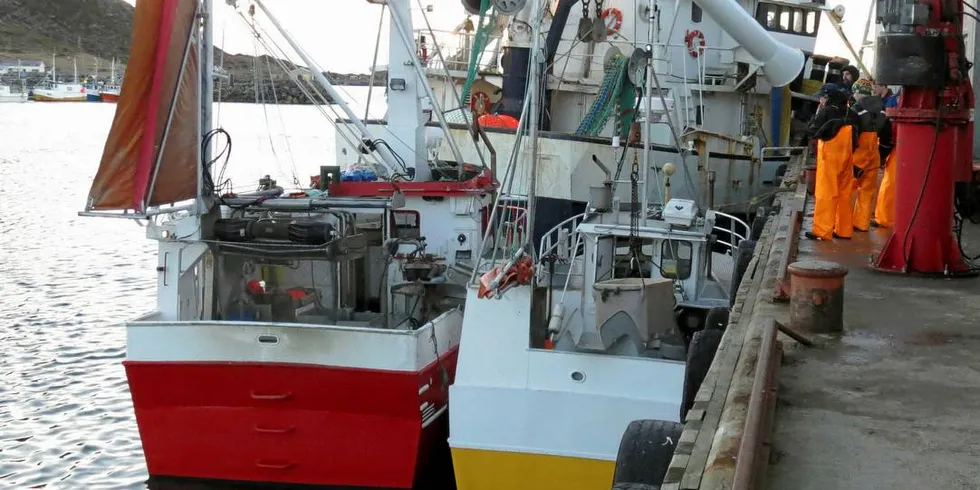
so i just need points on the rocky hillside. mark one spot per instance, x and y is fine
(87, 32)
(96, 27)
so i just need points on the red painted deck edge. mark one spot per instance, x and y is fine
(480, 184)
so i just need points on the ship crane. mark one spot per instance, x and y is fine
(921, 48)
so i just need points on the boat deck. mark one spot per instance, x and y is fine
(891, 403)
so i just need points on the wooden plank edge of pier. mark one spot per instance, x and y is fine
(708, 450)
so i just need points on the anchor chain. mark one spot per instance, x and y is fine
(634, 241)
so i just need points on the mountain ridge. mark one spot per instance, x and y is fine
(87, 33)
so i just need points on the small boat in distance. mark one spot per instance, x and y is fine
(92, 85)
(110, 91)
(49, 91)
(8, 95)
(54, 91)
(92, 93)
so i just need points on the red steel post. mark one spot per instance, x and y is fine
(934, 141)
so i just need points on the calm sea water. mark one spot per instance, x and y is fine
(66, 283)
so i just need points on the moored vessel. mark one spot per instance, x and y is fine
(583, 349)
(299, 336)
(55, 91)
(110, 91)
(8, 95)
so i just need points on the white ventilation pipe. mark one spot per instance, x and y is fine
(781, 64)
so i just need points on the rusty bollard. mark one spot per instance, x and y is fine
(817, 296)
(810, 177)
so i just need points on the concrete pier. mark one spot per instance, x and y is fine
(890, 402)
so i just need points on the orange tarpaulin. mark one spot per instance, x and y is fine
(128, 171)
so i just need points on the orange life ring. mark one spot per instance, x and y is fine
(479, 103)
(618, 14)
(695, 43)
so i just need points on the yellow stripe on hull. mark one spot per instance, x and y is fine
(503, 470)
(42, 98)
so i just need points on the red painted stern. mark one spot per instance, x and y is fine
(292, 423)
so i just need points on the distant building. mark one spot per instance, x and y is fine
(302, 73)
(222, 74)
(24, 66)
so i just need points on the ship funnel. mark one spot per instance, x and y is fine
(781, 64)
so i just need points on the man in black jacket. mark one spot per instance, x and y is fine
(832, 127)
(868, 110)
(848, 76)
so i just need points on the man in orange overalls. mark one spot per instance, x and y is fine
(885, 206)
(868, 113)
(832, 126)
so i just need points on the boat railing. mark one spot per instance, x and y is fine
(511, 222)
(560, 244)
(782, 151)
(456, 48)
(736, 231)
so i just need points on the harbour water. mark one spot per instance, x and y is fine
(67, 282)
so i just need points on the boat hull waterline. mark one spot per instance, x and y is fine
(46, 98)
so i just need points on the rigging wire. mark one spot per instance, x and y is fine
(350, 138)
(374, 68)
(260, 99)
(456, 95)
(282, 123)
(320, 102)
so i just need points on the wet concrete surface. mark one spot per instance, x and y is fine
(894, 402)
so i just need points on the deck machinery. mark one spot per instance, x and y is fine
(921, 47)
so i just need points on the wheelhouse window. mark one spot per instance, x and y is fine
(676, 257)
(406, 224)
(696, 13)
(624, 265)
(788, 19)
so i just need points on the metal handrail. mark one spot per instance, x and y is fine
(546, 246)
(733, 233)
(781, 148)
(515, 221)
(455, 44)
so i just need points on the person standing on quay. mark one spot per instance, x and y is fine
(832, 126)
(885, 205)
(868, 113)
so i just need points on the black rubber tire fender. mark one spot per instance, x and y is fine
(635, 486)
(684, 315)
(645, 451)
(716, 319)
(743, 255)
(759, 223)
(700, 354)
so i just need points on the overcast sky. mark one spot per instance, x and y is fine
(340, 34)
